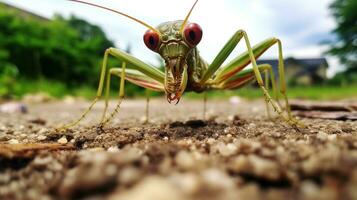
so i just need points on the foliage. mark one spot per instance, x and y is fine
(8, 74)
(345, 47)
(60, 49)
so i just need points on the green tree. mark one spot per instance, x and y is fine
(345, 45)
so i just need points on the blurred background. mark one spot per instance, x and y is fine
(55, 47)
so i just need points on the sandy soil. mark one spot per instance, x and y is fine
(237, 154)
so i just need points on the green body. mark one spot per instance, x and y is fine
(185, 70)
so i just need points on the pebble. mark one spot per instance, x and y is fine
(264, 167)
(217, 179)
(41, 137)
(13, 107)
(322, 135)
(42, 131)
(189, 183)
(332, 137)
(234, 100)
(113, 149)
(227, 149)
(13, 141)
(62, 140)
(185, 160)
(42, 162)
(257, 166)
(153, 187)
(129, 175)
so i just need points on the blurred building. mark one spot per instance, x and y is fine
(301, 71)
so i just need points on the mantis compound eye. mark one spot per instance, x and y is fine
(152, 40)
(193, 34)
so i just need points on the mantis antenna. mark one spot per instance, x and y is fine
(120, 13)
(186, 19)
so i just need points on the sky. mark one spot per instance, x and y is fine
(301, 25)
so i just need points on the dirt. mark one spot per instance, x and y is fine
(237, 153)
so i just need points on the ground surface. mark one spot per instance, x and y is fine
(237, 154)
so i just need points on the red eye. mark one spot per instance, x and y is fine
(152, 40)
(193, 34)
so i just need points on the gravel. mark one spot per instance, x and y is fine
(238, 154)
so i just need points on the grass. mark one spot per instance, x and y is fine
(59, 90)
(300, 92)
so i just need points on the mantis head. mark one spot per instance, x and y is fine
(174, 41)
(174, 45)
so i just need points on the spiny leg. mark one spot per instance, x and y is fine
(134, 77)
(243, 60)
(246, 76)
(104, 120)
(144, 75)
(99, 94)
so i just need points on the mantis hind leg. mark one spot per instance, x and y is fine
(98, 96)
(246, 76)
(242, 61)
(134, 77)
(105, 119)
(142, 74)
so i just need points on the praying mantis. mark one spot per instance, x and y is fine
(185, 70)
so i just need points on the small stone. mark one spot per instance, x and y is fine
(322, 135)
(113, 149)
(332, 137)
(62, 140)
(41, 137)
(13, 107)
(189, 183)
(43, 131)
(185, 160)
(152, 187)
(309, 190)
(211, 141)
(234, 100)
(13, 141)
(264, 167)
(129, 175)
(217, 179)
(42, 162)
(230, 117)
(228, 149)
(143, 119)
